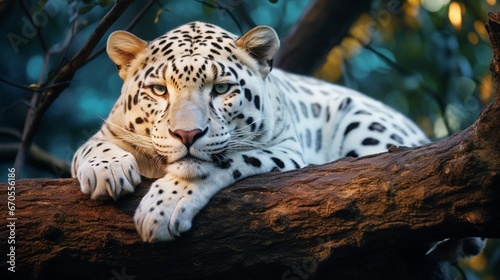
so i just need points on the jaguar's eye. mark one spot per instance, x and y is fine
(159, 89)
(221, 88)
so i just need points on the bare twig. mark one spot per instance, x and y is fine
(131, 25)
(38, 158)
(42, 100)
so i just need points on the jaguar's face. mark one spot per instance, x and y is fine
(194, 93)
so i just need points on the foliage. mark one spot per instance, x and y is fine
(424, 58)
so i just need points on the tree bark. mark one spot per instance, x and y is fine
(365, 218)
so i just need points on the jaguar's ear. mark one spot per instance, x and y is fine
(261, 43)
(123, 47)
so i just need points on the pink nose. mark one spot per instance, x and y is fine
(187, 137)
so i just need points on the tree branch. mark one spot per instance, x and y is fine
(322, 26)
(129, 27)
(41, 101)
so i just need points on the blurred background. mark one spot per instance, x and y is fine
(427, 58)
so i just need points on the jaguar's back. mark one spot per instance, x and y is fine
(333, 121)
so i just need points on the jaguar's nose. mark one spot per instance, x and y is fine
(187, 137)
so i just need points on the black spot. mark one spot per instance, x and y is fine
(397, 138)
(122, 181)
(190, 192)
(316, 109)
(221, 161)
(106, 150)
(251, 123)
(148, 71)
(256, 101)
(151, 209)
(376, 127)
(350, 127)
(139, 120)
(345, 103)
(352, 154)
(248, 94)
(319, 139)
(279, 163)
(87, 152)
(297, 166)
(255, 162)
(216, 45)
(174, 192)
(362, 112)
(370, 141)
(303, 108)
(159, 202)
(236, 174)
(129, 102)
(160, 191)
(162, 213)
(308, 138)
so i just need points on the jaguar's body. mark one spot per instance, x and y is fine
(200, 109)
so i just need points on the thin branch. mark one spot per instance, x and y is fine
(139, 16)
(41, 101)
(38, 158)
(66, 44)
(5, 81)
(129, 27)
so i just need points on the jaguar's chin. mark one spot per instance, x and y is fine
(188, 168)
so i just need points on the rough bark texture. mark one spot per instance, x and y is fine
(322, 26)
(365, 218)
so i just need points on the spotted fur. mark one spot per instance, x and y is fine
(201, 109)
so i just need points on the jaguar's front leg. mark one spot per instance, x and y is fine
(169, 207)
(104, 170)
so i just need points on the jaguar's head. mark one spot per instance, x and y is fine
(195, 93)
